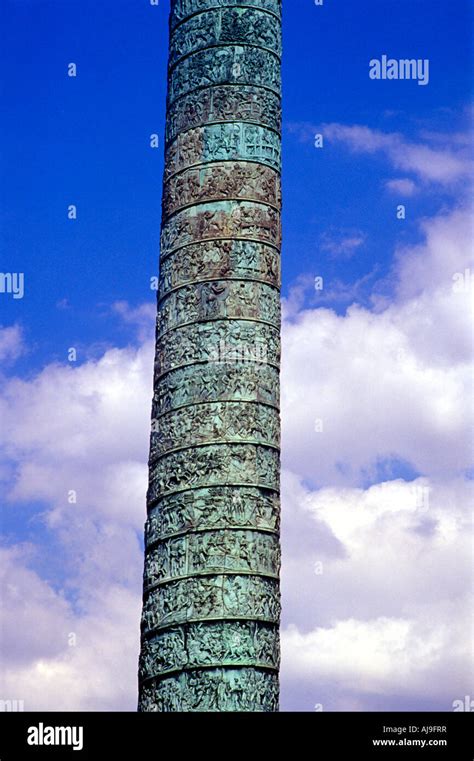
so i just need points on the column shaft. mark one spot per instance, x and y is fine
(210, 624)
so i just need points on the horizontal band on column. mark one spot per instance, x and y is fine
(215, 442)
(218, 298)
(272, 7)
(227, 278)
(155, 459)
(248, 507)
(201, 89)
(225, 64)
(154, 542)
(223, 259)
(242, 143)
(204, 320)
(214, 423)
(238, 220)
(208, 575)
(211, 666)
(219, 45)
(250, 199)
(154, 501)
(213, 690)
(184, 366)
(167, 254)
(216, 181)
(191, 646)
(202, 620)
(229, 551)
(198, 403)
(216, 383)
(218, 595)
(219, 104)
(233, 342)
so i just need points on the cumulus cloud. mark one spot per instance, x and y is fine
(356, 665)
(58, 659)
(375, 569)
(75, 442)
(377, 573)
(385, 383)
(411, 538)
(383, 600)
(93, 420)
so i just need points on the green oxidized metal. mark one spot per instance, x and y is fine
(211, 606)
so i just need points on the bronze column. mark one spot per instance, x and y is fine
(210, 625)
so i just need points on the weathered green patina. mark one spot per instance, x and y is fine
(211, 609)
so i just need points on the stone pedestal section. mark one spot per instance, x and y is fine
(210, 624)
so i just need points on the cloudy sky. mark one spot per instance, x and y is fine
(377, 364)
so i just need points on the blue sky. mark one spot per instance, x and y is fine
(85, 141)
(382, 354)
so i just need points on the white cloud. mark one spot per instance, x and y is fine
(11, 343)
(85, 429)
(402, 186)
(443, 162)
(61, 660)
(385, 537)
(375, 579)
(142, 317)
(380, 591)
(378, 580)
(419, 659)
(343, 243)
(441, 165)
(391, 383)
(94, 421)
